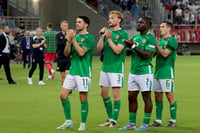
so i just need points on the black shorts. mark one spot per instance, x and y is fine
(63, 64)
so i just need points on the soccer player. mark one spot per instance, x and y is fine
(63, 62)
(37, 56)
(50, 51)
(164, 73)
(112, 72)
(81, 47)
(141, 73)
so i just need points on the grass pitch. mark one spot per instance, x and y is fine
(37, 109)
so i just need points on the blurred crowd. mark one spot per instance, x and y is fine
(183, 11)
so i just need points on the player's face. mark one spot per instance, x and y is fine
(164, 29)
(141, 25)
(64, 27)
(80, 24)
(113, 20)
(39, 32)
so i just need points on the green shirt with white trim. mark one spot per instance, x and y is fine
(114, 63)
(165, 66)
(82, 65)
(140, 65)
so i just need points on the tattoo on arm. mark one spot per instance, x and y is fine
(85, 49)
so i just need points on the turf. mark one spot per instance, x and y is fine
(37, 109)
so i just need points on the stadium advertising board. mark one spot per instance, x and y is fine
(184, 35)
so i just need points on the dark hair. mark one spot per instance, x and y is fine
(50, 25)
(85, 19)
(169, 24)
(148, 19)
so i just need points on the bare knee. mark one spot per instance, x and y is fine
(104, 92)
(170, 97)
(83, 96)
(146, 96)
(64, 93)
(132, 96)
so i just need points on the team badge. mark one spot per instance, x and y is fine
(144, 41)
(117, 37)
(61, 37)
(82, 40)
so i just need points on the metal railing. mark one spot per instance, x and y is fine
(30, 23)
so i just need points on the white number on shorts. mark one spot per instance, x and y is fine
(85, 83)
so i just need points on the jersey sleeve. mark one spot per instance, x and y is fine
(151, 44)
(172, 44)
(124, 36)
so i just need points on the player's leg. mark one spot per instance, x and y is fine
(145, 84)
(133, 91)
(68, 83)
(116, 81)
(104, 83)
(34, 66)
(116, 108)
(52, 58)
(47, 62)
(172, 101)
(158, 92)
(84, 110)
(41, 66)
(83, 85)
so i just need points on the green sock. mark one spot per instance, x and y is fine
(173, 108)
(159, 109)
(108, 105)
(147, 117)
(132, 117)
(66, 108)
(84, 111)
(116, 110)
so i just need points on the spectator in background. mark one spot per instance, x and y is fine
(124, 4)
(186, 18)
(192, 18)
(37, 56)
(63, 62)
(4, 53)
(1, 11)
(21, 26)
(25, 46)
(50, 51)
(178, 15)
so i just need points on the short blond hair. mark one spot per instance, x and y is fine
(118, 14)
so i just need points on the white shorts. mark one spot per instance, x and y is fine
(72, 82)
(163, 85)
(141, 83)
(111, 79)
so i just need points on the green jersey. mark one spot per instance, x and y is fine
(112, 62)
(82, 65)
(140, 65)
(50, 41)
(165, 66)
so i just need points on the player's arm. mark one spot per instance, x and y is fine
(67, 49)
(100, 44)
(143, 53)
(116, 48)
(37, 45)
(164, 52)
